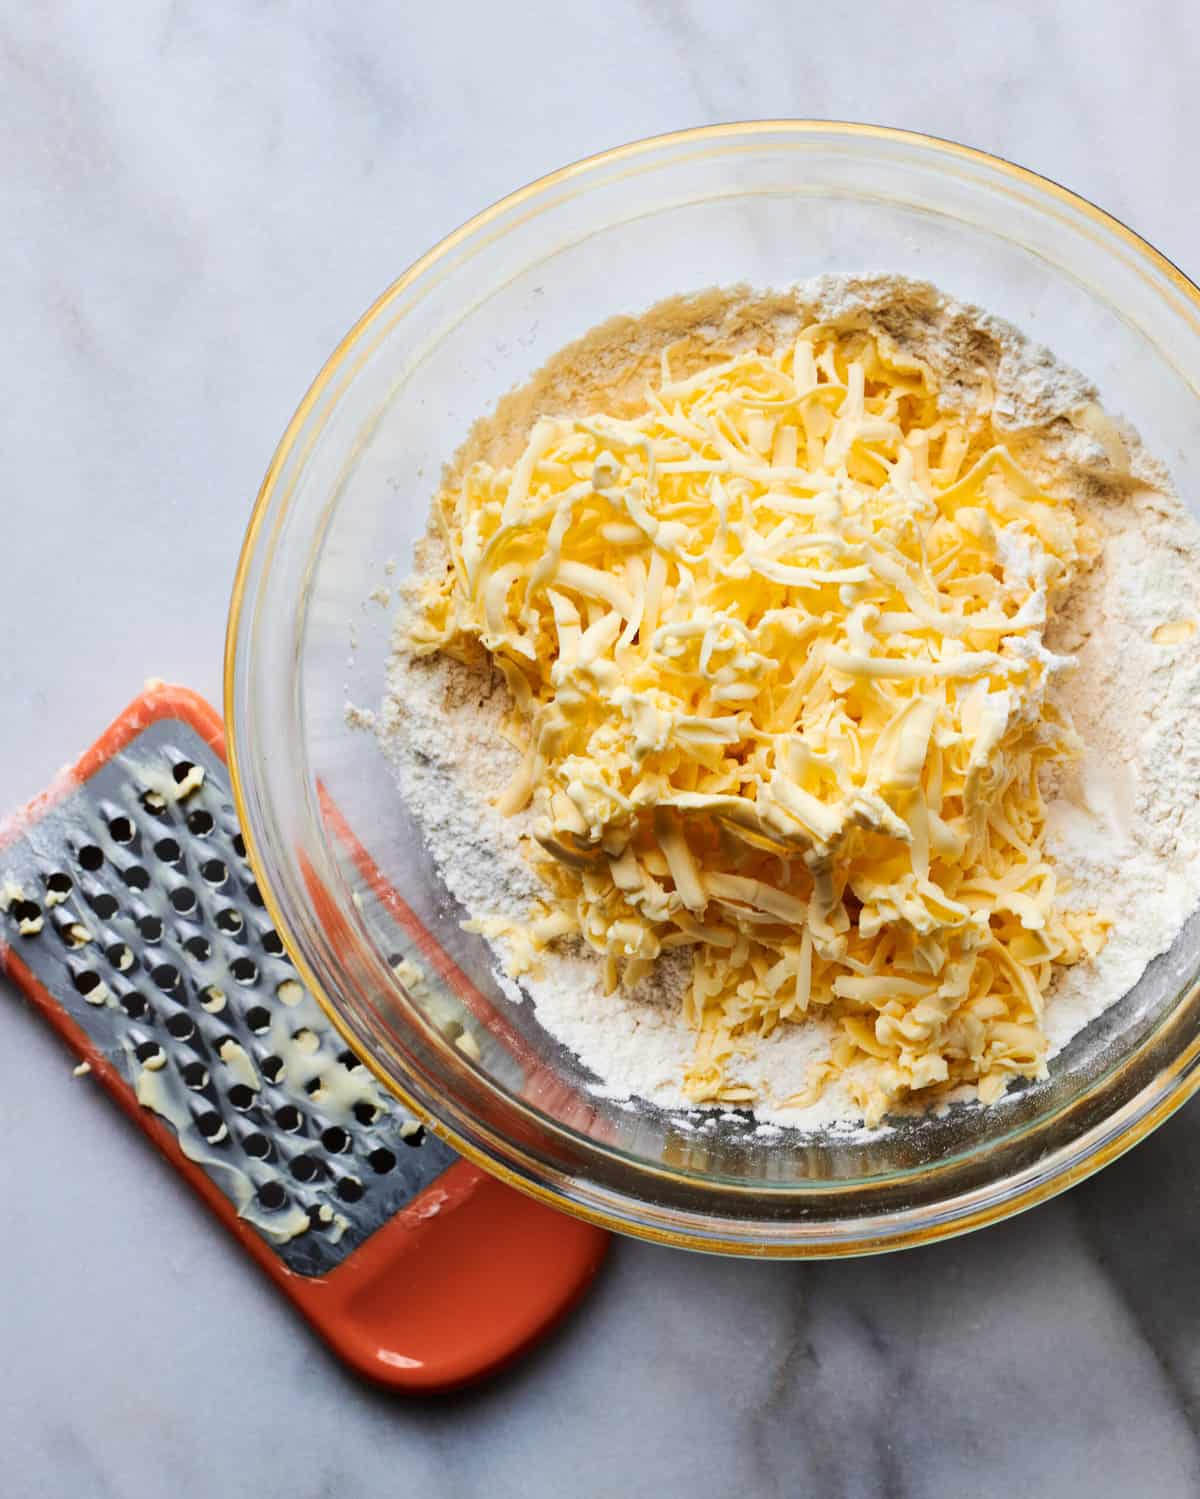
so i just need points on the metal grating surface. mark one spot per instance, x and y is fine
(133, 904)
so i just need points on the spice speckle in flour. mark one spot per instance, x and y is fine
(801, 693)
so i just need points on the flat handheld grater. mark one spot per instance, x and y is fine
(133, 921)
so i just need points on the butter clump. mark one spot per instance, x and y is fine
(775, 653)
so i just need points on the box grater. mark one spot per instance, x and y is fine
(130, 915)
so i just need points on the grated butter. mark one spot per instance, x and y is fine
(774, 648)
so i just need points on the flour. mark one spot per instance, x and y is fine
(1124, 824)
(1124, 828)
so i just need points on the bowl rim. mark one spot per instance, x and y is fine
(1181, 1078)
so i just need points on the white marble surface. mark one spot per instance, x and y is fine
(197, 198)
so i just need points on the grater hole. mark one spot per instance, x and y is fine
(73, 933)
(148, 1051)
(258, 1019)
(335, 1140)
(349, 1190)
(271, 1068)
(313, 1086)
(211, 1125)
(245, 970)
(271, 1195)
(348, 1060)
(212, 999)
(90, 857)
(200, 823)
(199, 948)
(230, 920)
(254, 894)
(151, 928)
(121, 830)
(86, 982)
(59, 884)
(382, 1161)
(183, 899)
(195, 1076)
(104, 905)
(168, 851)
(365, 1113)
(136, 877)
(120, 956)
(241, 1096)
(414, 1137)
(239, 845)
(181, 1026)
(29, 910)
(181, 770)
(289, 1118)
(214, 871)
(305, 1168)
(165, 975)
(272, 942)
(258, 1146)
(154, 803)
(134, 1005)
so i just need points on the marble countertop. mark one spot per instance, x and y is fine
(198, 199)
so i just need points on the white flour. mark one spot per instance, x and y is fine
(1124, 828)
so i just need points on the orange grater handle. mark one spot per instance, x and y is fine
(460, 1282)
(463, 1279)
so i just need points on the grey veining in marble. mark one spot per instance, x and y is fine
(197, 198)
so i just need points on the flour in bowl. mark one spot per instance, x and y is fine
(913, 921)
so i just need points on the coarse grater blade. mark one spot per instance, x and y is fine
(133, 918)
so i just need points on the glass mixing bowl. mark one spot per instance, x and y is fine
(340, 861)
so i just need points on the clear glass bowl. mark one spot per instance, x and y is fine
(767, 203)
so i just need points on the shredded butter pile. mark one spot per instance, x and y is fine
(775, 654)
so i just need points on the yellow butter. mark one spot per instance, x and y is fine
(775, 652)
